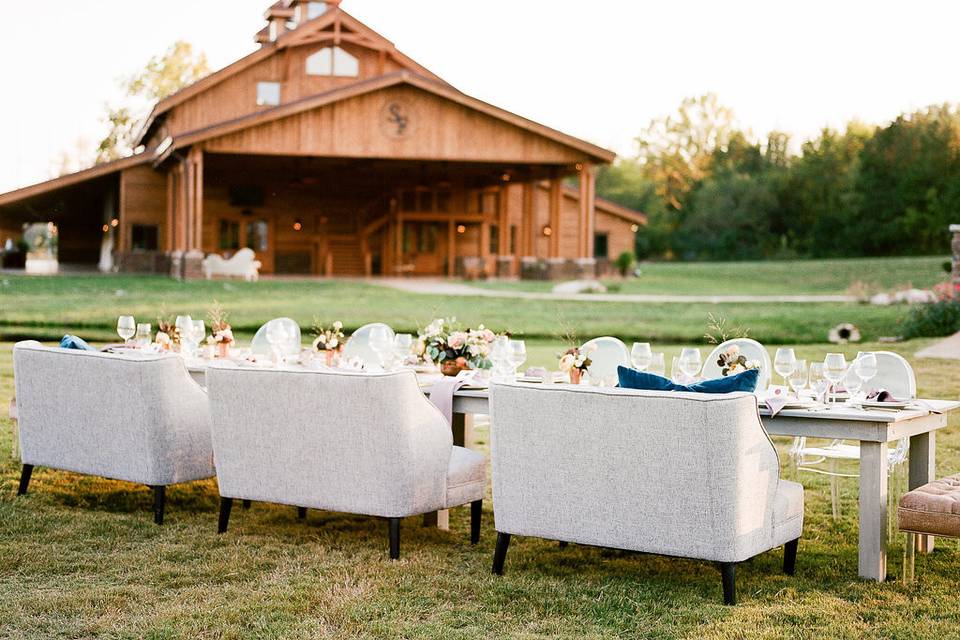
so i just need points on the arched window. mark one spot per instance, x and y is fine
(333, 61)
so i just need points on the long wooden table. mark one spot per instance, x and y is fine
(874, 429)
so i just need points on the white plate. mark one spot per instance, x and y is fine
(873, 404)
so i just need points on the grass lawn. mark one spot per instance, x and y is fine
(81, 558)
(46, 308)
(770, 278)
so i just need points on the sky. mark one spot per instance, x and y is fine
(600, 70)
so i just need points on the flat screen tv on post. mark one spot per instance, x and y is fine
(246, 196)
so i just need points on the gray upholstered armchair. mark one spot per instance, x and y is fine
(361, 443)
(140, 419)
(677, 474)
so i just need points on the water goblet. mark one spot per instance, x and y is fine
(144, 336)
(656, 365)
(126, 328)
(380, 343)
(277, 337)
(834, 367)
(783, 362)
(852, 382)
(640, 355)
(818, 382)
(518, 354)
(866, 367)
(798, 377)
(690, 362)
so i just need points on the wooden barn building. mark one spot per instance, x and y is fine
(328, 151)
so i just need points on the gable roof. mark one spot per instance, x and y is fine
(375, 84)
(329, 25)
(70, 179)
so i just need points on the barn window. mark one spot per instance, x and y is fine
(268, 93)
(601, 245)
(332, 61)
(144, 237)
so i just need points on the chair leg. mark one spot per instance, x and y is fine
(225, 505)
(563, 544)
(301, 513)
(246, 504)
(394, 538)
(909, 557)
(500, 553)
(790, 557)
(25, 474)
(728, 573)
(476, 513)
(159, 500)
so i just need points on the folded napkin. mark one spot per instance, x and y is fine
(441, 393)
(776, 401)
(882, 395)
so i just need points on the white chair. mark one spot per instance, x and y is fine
(895, 375)
(610, 353)
(358, 346)
(260, 346)
(353, 442)
(136, 418)
(677, 474)
(750, 349)
(242, 264)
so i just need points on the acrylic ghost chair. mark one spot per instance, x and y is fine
(358, 346)
(749, 349)
(606, 354)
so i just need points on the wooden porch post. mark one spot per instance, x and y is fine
(451, 247)
(587, 213)
(197, 175)
(398, 266)
(171, 230)
(555, 203)
(526, 227)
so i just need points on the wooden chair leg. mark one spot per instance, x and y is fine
(25, 474)
(226, 504)
(728, 573)
(790, 557)
(500, 553)
(394, 538)
(159, 500)
(301, 513)
(476, 513)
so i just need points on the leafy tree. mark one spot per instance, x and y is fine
(163, 75)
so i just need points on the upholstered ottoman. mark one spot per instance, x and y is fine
(932, 509)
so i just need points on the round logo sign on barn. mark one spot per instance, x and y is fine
(395, 119)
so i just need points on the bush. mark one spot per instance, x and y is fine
(948, 266)
(941, 318)
(625, 262)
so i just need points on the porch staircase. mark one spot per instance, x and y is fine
(347, 257)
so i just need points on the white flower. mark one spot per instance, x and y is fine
(567, 362)
(337, 325)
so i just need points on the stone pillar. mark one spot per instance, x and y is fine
(955, 246)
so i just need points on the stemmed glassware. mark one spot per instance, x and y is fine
(402, 347)
(866, 367)
(381, 343)
(144, 336)
(784, 362)
(518, 354)
(198, 333)
(656, 365)
(277, 338)
(798, 377)
(818, 382)
(184, 325)
(852, 382)
(126, 328)
(690, 362)
(641, 355)
(500, 357)
(834, 368)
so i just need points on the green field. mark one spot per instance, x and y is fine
(80, 557)
(769, 278)
(89, 305)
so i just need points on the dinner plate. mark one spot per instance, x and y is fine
(873, 404)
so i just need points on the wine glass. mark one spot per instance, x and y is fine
(199, 331)
(690, 362)
(798, 377)
(676, 372)
(817, 380)
(640, 355)
(656, 365)
(126, 328)
(500, 356)
(834, 366)
(518, 354)
(783, 362)
(144, 336)
(380, 342)
(277, 337)
(866, 367)
(852, 382)
(402, 346)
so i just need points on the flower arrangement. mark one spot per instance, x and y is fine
(444, 342)
(328, 338)
(732, 361)
(575, 362)
(221, 335)
(844, 333)
(168, 334)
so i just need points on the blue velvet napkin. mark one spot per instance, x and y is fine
(633, 379)
(73, 342)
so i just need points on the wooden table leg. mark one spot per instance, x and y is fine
(923, 469)
(873, 511)
(462, 427)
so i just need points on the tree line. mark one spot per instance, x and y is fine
(714, 192)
